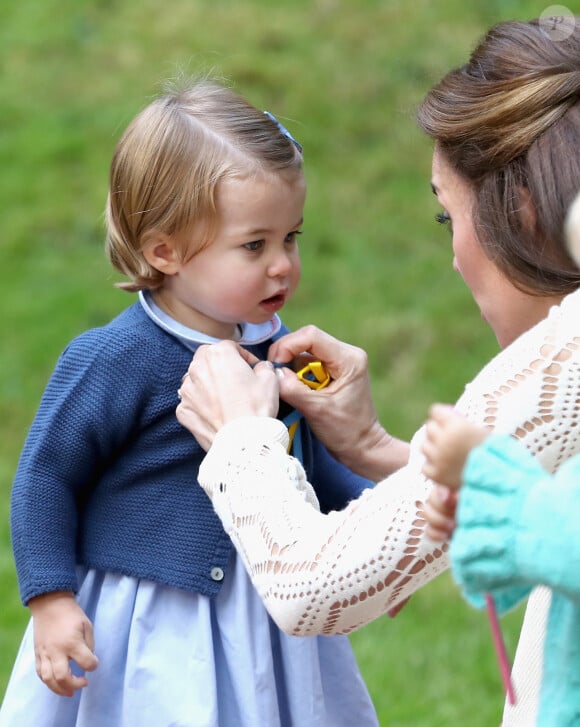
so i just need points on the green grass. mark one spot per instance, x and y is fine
(345, 78)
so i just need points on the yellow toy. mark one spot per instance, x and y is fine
(315, 376)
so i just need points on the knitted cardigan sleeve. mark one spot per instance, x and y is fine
(88, 408)
(517, 525)
(334, 573)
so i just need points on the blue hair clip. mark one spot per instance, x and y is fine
(284, 130)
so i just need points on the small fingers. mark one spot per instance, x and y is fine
(430, 470)
(440, 513)
(67, 682)
(438, 535)
(83, 652)
(58, 677)
(431, 446)
(53, 666)
(441, 413)
(446, 498)
(432, 466)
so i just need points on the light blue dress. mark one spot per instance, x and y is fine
(170, 658)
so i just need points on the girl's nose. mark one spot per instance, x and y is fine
(280, 265)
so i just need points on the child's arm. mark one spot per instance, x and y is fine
(61, 632)
(517, 524)
(89, 409)
(449, 438)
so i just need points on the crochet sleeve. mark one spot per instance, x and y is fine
(334, 573)
(517, 525)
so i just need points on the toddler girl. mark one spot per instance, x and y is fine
(121, 559)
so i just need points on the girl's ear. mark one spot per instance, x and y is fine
(161, 253)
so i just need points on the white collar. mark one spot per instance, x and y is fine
(251, 333)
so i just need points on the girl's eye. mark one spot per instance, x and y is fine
(443, 218)
(254, 246)
(291, 236)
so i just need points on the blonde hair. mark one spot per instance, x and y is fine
(508, 122)
(168, 163)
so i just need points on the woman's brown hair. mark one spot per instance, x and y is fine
(508, 122)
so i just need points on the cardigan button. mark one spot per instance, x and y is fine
(217, 574)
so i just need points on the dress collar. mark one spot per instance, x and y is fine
(250, 333)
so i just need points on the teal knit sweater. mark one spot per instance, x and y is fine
(518, 527)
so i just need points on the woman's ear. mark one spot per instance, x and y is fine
(161, 253)
(526, 209)
(572, 230)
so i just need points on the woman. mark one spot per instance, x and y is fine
(506, 130)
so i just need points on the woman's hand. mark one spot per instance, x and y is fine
(61, 632)
(342, 415)
(221, 385)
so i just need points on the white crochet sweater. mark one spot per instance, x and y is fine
(334, 573)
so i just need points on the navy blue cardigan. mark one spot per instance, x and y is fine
(107, 475)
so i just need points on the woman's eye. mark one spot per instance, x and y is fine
(443, 218)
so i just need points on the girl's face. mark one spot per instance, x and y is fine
(252, 267)
(508, 310)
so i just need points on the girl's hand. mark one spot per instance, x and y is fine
(220, 385)
(439, 512)
(342, 415)
(61, 632)
(449, 438)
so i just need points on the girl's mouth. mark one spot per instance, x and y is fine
(274, 303)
